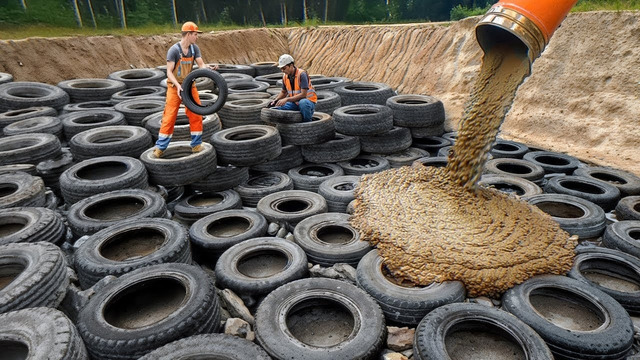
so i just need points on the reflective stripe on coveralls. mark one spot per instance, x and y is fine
(172, 105)
(311, 93)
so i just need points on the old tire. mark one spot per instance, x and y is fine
(219, 82)
(575, 215)
(364, 93)
(90, 215)
(223, 178)
(611, 338)
(430, 342)
(416, 111)
(261, 185)
(339, 192)
(123, 310)
(36, 273)
(553, 162)
(405, 305)
(199, 205)
(596, 191)
(41, 124)
(291, 206)
(395, 140)
(328, 239)
(78, 121)
(119, 140)
(285, 316)
(130, 245)
(511, 185)
(133, 78)
(25, 94)
(290, 157)
(40, 333)
(247, 145)
(214, 234)
(102, 174)
(364, 164)
(29, 148)
(628, 208)
(609, 265)
(319, 130)
(179, 165)
(81, 90)
(515, 167)
(256, 267)
(363, 119)
(624, 236)
(21, 189)
(209, 346)
(627, 183)
(340, 148)
(31, 224)
(309, 176)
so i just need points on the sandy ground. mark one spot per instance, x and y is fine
(583, 97)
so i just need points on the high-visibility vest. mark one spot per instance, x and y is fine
(311, 93)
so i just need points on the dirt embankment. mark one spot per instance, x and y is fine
(583, 97)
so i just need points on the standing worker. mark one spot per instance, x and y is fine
(297, 92)
(180, 59)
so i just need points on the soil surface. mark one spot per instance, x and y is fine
(582, 98)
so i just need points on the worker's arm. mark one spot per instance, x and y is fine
(202, 65)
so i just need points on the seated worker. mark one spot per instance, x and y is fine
(297, 92)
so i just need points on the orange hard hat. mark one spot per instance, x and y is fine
(190, 26)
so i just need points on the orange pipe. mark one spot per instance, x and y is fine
(546, 14)
(531, 22)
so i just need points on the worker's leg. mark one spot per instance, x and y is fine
(195, 120)
(306, 109)
(171, 106)
(291, 106)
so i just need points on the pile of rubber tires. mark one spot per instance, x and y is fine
(108, 252)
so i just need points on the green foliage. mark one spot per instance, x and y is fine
(617, 5)
(460, 11)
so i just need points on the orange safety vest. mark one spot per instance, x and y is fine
(311, 93)
(183, 68)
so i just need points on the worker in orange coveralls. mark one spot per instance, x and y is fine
(180, 59)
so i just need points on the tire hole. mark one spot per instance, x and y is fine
(263, 263)
(13, 350)
(8, 273)
(561, 210)
(612, 179)
(566, 309)
(320, 322)
(611, 275)
(582, 187)
(552, 160)
(335, 234)
(228, 227)
(132, 244)
(7, 189)
(203, 200)
(145, 303)
(292, 206)
(472, 339)
(103, 170)
(514, 169)
(115, 209)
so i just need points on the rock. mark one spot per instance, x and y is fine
(400, 339)
(282, 232)
(235, 306)
(290, 237)
(483, 300)
(240, 328)
(408, 353)
(346, 270)
(273, 229)
(394, 356)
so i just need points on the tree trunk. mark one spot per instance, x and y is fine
(175, 13)
(305, 14)
(264, 23)
(93, 16)
(123, 16)
(204, 12)
(76, 12)
(326, 10)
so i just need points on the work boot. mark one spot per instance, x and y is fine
(197, 148)
(158, 153)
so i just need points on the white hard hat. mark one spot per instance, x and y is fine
(285, 60)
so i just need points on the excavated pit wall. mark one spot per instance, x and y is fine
(583, 96)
